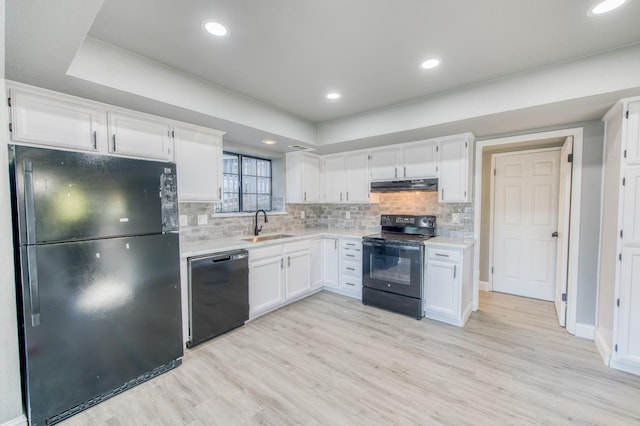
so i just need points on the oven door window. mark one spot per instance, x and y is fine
(393, 269)
(388, 265)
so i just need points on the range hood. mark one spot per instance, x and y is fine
(428, 184)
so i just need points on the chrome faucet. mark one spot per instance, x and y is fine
(257, 230)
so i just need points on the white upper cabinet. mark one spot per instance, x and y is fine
(407, 161)
(346, 177)
(303, 177)
(56, 121)
(384, 163)
(454, 165)
(357, 177)
(199, 163)
(333, 178)
(419, 160)
(140, 136)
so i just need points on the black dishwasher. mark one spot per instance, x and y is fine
(218, 294)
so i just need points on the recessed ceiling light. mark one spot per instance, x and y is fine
(215, 28)
(605, 6)
(430, 63)
(269, 142)
(333, 95)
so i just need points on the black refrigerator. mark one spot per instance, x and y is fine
(97, 274)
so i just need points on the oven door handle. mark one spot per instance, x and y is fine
(373, 243)
(399, 247)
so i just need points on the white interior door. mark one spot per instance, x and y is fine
(525, 215)
(564, 212)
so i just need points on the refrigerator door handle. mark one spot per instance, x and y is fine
(34, 290)
(29, 204)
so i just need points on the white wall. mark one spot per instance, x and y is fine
(10, 394)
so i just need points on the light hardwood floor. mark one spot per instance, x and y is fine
(329, 360)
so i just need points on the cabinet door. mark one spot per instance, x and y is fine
(317, 260)
(441, 293)
(330, 256)
(50, 121)
(631, 209)
(629, 314)
(266, 285)
(199, 163)
(303, 177)
(454, 171)
(311, 179)
(419, 160)
(632, 145)
(138, 136)
(384, 164)
(334, 179)
(298, 266)
(357, 177)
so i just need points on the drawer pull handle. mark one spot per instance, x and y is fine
(351, 269)
(351, 284)
(442, 255)
(350, 255)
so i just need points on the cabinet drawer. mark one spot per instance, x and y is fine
(351, 268)
(347, 282)
(351, 255)
(298, 246)
(264, 252)
(353, 245)
(443, 254)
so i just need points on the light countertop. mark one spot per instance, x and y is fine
(197, 248)
(451, 242)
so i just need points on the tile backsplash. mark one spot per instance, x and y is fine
(452, 220)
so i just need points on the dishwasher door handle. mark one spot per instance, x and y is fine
(220, 259)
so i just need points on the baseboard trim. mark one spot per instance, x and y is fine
(602, 346)
(18, 421)
(483, 285)
(585, 331)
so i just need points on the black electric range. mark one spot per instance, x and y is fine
(392, 264)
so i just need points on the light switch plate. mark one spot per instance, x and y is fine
(348, 215)
(202, 219)
(302, 214)
(184, 221)
(455, 217)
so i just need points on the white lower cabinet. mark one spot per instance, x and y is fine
(297, 271)
(279, 274)
(266, 280)
(447, 283)
(317, 261)
(350, 267)
(331, 271)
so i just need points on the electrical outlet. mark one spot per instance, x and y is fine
(184, 220)
(348, 215)
(202, 219)
(455, 217)
(302, 214)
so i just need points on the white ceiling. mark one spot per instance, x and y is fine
(290, 53)
(283, 56)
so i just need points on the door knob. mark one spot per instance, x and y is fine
(555, 234)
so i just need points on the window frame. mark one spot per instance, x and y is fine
(240, 192)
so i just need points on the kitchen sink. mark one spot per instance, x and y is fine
(259, 239)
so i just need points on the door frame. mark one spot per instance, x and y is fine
(492, 196)
(576, 194)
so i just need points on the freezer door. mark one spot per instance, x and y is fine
(109, 311)
(71, 196)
